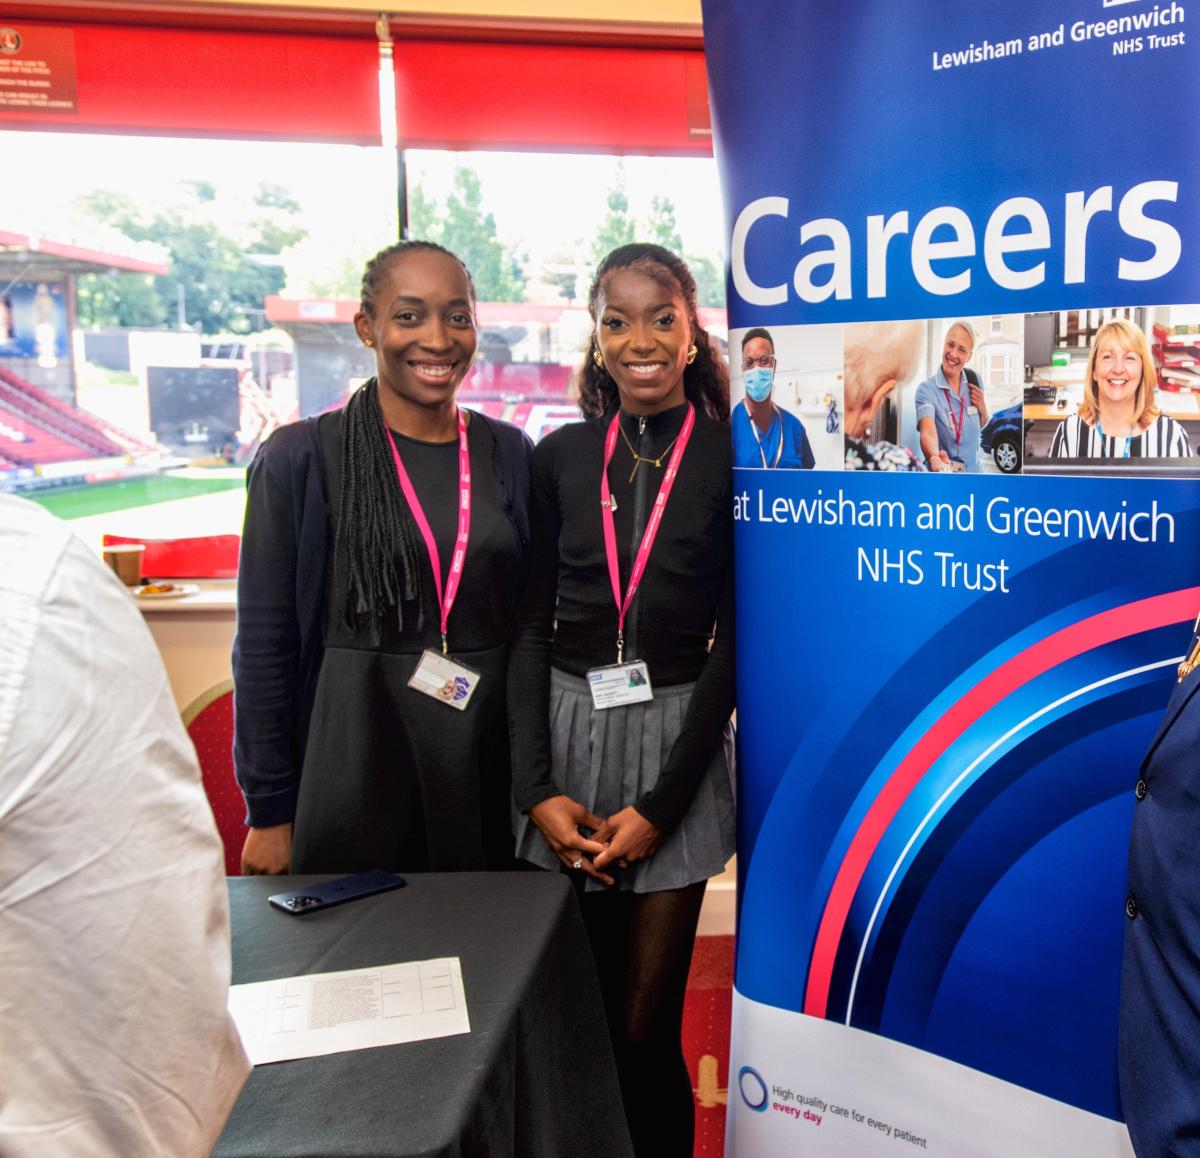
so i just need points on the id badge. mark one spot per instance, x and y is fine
(622, 683)
(444, 679)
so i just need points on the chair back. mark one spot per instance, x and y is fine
(209, 723)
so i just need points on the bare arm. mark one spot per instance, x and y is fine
(937, 459)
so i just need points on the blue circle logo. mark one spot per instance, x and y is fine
(753, 1089)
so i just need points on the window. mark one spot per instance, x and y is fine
(139, 368)
(203, 291)
(167, 301)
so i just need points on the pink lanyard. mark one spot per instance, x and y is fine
(962, 416)
(446, 601)
(651, 531)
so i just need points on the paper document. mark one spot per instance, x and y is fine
(323, 1013)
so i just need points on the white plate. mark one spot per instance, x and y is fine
(178, 590)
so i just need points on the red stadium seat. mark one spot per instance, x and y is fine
(202, 557)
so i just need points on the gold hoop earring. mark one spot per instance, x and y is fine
(691, 354)
(598, 358)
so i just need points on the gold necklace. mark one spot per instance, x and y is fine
(638, 459)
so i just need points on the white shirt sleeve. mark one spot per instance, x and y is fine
(114, 920)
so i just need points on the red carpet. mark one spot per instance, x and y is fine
(706, 1038)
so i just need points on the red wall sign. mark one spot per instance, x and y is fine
(37, 69)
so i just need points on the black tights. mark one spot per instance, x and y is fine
(642, 945)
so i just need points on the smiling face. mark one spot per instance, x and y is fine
(956, 352)
(422, 327)
(1117, 372)
(643, 334)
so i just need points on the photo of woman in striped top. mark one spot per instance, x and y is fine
(1117, 417)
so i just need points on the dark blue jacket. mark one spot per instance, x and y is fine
(278, 648)
(1160, 980)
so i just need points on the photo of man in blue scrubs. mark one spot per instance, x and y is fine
(765, 436)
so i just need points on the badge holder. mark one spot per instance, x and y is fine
(620, 684)
(444, 679)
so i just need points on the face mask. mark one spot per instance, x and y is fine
(759, 381)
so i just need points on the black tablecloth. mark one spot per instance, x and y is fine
(533, 1079)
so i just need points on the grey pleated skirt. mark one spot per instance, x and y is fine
(606, 760)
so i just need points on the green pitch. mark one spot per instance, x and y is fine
(103, 498)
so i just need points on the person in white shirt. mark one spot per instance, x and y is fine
(114, 920)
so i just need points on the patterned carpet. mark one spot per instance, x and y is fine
(706, 1038)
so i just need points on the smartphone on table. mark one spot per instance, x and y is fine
(337, 892)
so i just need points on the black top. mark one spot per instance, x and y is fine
(392, 778)
(567, 616)
(491, 574)
(286, 544)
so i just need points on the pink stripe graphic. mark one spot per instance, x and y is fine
(1070, 641)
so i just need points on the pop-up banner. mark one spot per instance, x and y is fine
(964, 300)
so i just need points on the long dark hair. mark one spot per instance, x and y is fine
(705, 380)
(377, 562)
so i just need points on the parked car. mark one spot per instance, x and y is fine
(1004, 438)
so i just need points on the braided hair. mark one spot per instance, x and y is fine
(705, 380)
(377, 562)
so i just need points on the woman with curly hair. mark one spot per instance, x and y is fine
(381, 559)
(621, 679)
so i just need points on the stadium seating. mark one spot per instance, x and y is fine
(26, 443)
(86, 436)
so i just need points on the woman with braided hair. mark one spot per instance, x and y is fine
(383, 550)
(620, 693)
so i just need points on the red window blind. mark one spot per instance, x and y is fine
(451, 94)
(183, 81)
(464, 95)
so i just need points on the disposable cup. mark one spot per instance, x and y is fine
(125, 559)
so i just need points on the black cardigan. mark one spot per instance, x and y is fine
(286, 545)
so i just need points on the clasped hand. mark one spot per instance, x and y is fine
(977, 400)
(625, 837)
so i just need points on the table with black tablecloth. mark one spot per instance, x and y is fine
(533, 1079)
